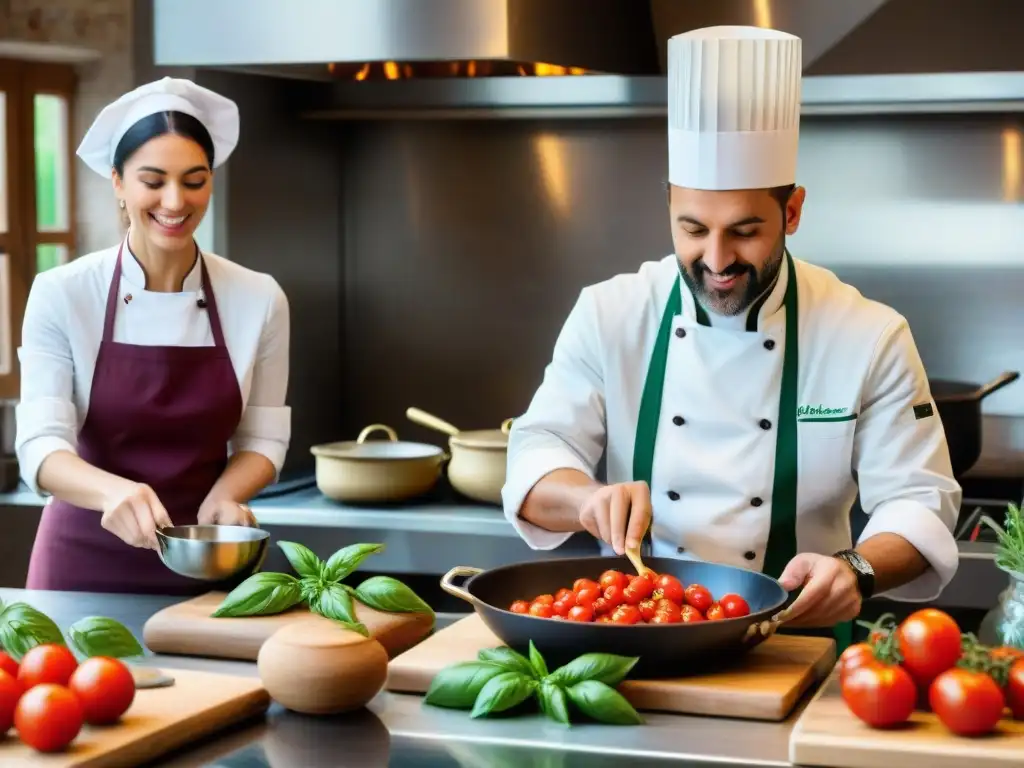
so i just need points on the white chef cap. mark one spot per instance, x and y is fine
(218, 114)
(733, 108)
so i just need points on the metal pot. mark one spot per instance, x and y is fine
(959, 406)
(665, 650)
(376, 471)
(478, 458)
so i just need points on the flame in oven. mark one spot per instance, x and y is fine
(396, 70)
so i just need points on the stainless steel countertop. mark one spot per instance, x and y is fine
(399, 730)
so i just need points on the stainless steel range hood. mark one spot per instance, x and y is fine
(474, 58)
(398, 39)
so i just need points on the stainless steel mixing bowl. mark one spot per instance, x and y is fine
(211, 552)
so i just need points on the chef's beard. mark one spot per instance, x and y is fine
(738, 298)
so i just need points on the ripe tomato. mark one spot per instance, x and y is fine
(626, 614)
(587, 595)
(603, 619)
(638, 589)
(47, 663)
(563, 593)
(10, 692)
(667, 618)
(968, 703)
(545, 599)
(613, 579)
(1015, 689)
(561, 607)
(602, 606)
(614, 594)
(48, 717)
(585, 584)
(691, 614)
(856, 656)
(105, 688)
(647, 608)
(699, 597)
(8, 664)
(715, 612)
(520, 606)
(929, 641)
(581, 613)
(670, 587)
(664, 605)
(882, 695)
(734, 606)
(541, 610)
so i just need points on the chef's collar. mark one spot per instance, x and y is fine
(132, 271)
(756, 314)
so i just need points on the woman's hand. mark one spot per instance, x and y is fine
(226, 512)
(132, 512)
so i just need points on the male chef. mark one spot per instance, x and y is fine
(739, 395)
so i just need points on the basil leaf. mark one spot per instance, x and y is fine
(310, 587)
(387, 594)
(606, 668)
(262, 594)
(508, 659)
(603, 703)
(537, 661)
(346, 560)
(458, 685)
(335, 603)
(22, 627)
(100, 636)
(503, 692)
(301, 558)
(553, 702)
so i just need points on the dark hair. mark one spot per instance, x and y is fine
(781, 194)
(161, 124)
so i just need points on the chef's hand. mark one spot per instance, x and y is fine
(133, 513)
(226, 512)
(618, 514)
(829, 596)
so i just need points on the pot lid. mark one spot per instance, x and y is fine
(391, 449)
(484, 438)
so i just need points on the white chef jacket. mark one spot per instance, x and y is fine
(63, 328)
(860, 378)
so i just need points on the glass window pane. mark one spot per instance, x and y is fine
(3, 161)
(51, 140)
(50, 255)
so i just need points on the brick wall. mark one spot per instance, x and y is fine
(107, 27)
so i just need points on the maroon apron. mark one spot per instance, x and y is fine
(157, 415)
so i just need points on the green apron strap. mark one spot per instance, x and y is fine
(843, 633)
(782, 534)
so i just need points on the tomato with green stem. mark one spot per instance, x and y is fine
(929, 643)
(882, 695)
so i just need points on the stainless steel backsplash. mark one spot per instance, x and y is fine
(432, 263)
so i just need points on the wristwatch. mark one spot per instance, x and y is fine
(861, 569)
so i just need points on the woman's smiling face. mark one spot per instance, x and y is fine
(166, 188)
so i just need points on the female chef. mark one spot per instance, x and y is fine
(145, 366)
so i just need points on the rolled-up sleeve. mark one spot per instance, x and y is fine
(903, 466)
(564, 426)
(47, 420)
(265, 427)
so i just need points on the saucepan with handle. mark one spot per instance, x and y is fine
(959, 406)
(664, 650)
(478, 457)
(369, 471)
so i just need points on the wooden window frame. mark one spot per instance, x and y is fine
(22, 81)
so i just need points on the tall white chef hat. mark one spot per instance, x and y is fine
(733, 108)
(218, 114)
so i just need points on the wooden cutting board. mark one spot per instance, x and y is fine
(159, 721)
(765, 685)
(187, 628)
(828, 734)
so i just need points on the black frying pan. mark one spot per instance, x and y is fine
(959, 406)
(665, 650)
